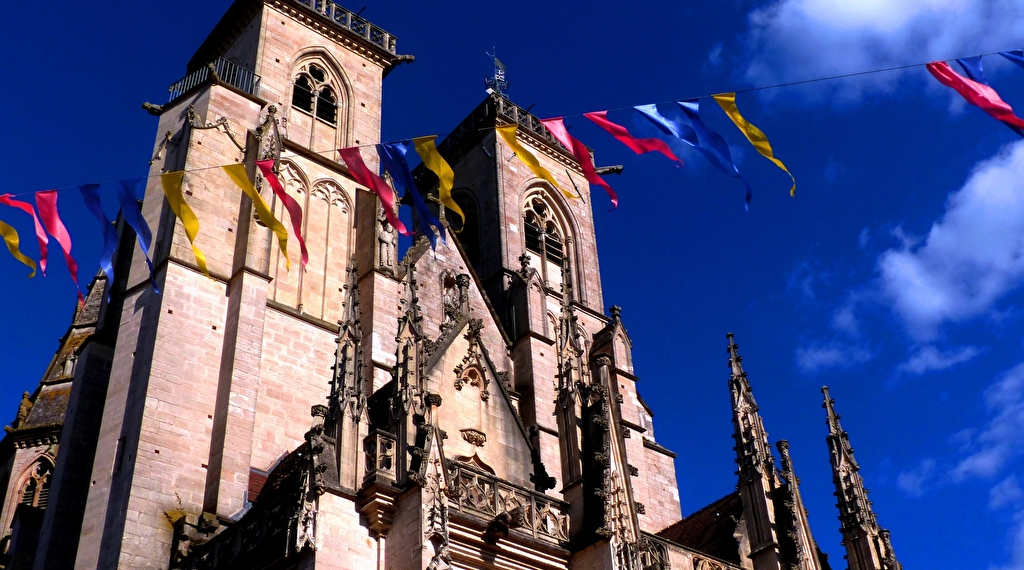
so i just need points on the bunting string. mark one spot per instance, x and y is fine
(685, 125)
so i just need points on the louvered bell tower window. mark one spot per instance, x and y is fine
(36, 491)
(543, 241)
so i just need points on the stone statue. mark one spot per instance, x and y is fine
(387, 242)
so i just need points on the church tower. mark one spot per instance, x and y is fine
(211, 380)
(345, 405)
(471, 406)
(868, 546)
(777, 532)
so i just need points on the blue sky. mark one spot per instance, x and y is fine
(894, 276)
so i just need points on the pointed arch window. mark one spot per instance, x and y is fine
(35, 491)
(543, 240)
(314, 93)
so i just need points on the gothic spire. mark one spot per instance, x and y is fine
(867, 545)
(753, 453)
(347, 392)
(757, 478)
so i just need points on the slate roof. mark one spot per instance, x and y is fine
(49, 406)
(710, 530)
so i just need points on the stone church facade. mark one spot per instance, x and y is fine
(469, 407)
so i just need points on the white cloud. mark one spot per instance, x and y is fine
(970, 258)
(915, 481)
(844, 320)
(801, 39)
(1002, 438)
(931, 359)
(1006, 493)
(832, 355)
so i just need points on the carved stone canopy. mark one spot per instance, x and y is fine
(474, 437)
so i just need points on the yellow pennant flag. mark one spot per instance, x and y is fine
(171, 182)
(727, 101)
(508, 133)
(236, 172)
(10, 236)
(433, 160)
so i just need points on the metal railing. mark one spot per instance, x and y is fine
(352, 22)
(224, 71)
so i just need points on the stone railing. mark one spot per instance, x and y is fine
(516, 114)
(486, 496)
(264, 535)
(353, 23)
(224, 71)
(379, 448)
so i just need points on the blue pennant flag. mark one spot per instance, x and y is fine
(392, 159)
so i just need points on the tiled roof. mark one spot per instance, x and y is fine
(710, 530)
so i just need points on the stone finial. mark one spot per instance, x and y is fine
(616, 312)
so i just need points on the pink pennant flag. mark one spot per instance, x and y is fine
(294, 211)
(977, 94)
(582, 154)
(639, 146)
(8, 200)
(46, 202)
(362, 174)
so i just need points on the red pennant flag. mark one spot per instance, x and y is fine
(294, 211)
(362, 174)
(639, 146)
(46, 201)
(977, 94)
(582, 154)
(8, 200)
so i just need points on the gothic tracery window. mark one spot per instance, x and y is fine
(313, 93)
(35, 490)
(544, 240)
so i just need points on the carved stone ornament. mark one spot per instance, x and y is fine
(387, 243)
(474, 437)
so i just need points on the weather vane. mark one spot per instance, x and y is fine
(498, 83)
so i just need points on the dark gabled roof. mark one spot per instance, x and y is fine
(49, 406)
(711, 529)
(287, 476)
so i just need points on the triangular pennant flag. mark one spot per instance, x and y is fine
(46, 202)
(508, 133)
(582, 155)
(12, 240)
(435, 163)
(127, 196)
(294, 210)
(236, 172)
(974, 70)
(376, 184)
(637, 145)
(713, 146)
(171, 182)
(392, 159)
(92, 202)
(8, 200)
(727, 101)
(977, 94)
